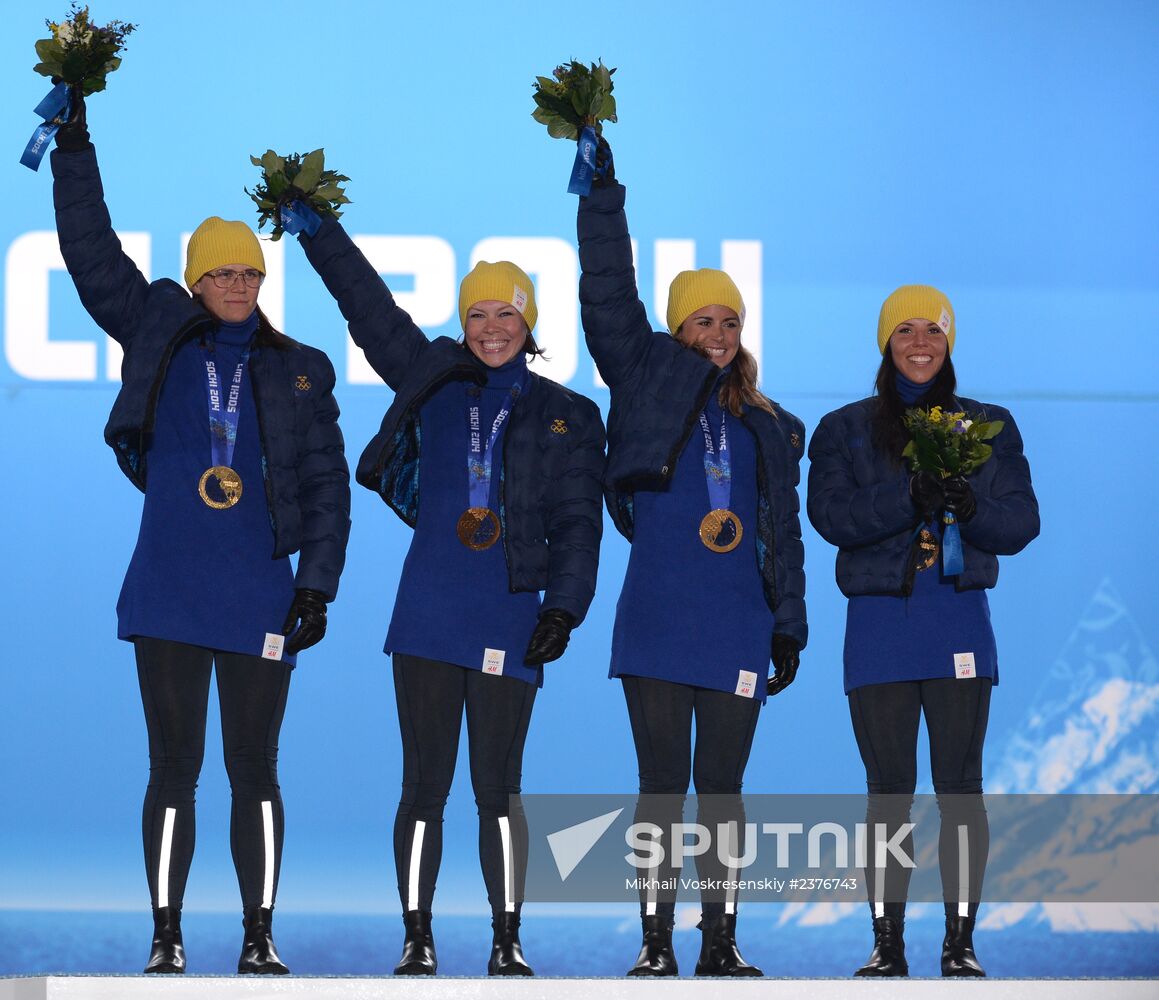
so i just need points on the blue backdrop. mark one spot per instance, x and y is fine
(823, 153)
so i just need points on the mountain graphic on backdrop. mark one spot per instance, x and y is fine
(1091, 728)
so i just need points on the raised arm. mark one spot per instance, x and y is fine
(615, 322)
(111, 288)
(379, 326)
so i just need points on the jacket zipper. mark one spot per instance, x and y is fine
(503, 492)
(669, 469)
(265, 464)
(182, 335)
(772, 533)
(453, 375)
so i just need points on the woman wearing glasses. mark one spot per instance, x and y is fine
(230, 429)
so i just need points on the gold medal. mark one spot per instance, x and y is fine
(926, 551)
(478, 528)
(227, 486)
(721, 530)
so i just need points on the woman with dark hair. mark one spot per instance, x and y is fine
(231, 431)
(701, 479)
(497, 470)
(919, 641)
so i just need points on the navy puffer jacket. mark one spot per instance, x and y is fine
(659, 388)
(553, 448)
(860, 501)
(307, 482)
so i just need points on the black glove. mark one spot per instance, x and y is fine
(550, 637)
(73, 135)
(786, 659)
(960, 500)
(925, 489)
(308, 616)
(605, 168)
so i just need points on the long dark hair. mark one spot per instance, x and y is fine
(889, 433)
(268, 335)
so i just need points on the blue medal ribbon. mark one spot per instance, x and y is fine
(54, 110)
(223, 419)
(717, 465)
(583, 171)
(479, 455)
(295, 216)
(953, 561)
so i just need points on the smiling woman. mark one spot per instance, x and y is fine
(918, 640)
(702, 476)
(507, 465)
(495, 332)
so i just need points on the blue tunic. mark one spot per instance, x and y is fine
(917, 638)
(198, 575)
(454, 604)
(935, 632)
(688, 614)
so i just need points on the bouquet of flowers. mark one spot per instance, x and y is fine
(295, 191)
(80, 53)
(575, 96)
(947, 444)
(573, 103)
(78, 56)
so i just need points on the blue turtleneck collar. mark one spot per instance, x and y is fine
(911, 392)
(507, 374)
(237, 334)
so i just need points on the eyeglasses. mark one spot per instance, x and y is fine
(225, 278)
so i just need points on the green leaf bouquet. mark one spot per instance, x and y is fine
(947, 443)
(80, 53)
(301, 177)
(574, 96)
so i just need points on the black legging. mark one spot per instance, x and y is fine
(431, 697)
(174, 680)
(661, 713)
(885, 722)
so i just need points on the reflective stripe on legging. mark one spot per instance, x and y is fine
(508, 866)
(268, 841)
(166, 855)
(963, 871)
(416, 856)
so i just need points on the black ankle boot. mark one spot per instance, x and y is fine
(506, 951)
(888, 955)
(719, 955)
(656, 956)
(258, 954)
(418, 947)
(168, 953)
(958, 958)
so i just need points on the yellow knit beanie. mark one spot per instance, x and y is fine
(693, 290)
(216, 243)
(499, 282)
(916, 302)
